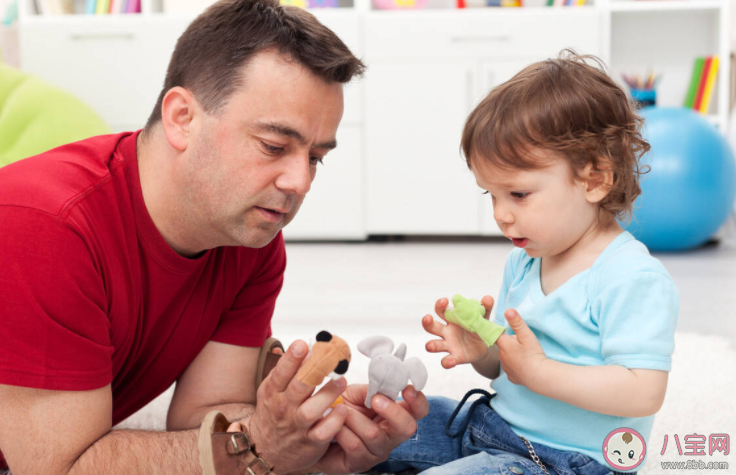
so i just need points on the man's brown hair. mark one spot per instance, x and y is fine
(210, 55)
(570, 108)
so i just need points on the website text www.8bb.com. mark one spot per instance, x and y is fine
(695, 465)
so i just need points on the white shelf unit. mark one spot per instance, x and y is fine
(665, 36)
(398, 168)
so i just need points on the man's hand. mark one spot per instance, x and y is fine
(521, 355)
(287, 427)
(369, 435)
(462, 345)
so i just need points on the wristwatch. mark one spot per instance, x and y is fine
(228, 453)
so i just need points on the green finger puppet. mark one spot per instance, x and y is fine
(468, 313)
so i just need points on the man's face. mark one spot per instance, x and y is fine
(252, 164)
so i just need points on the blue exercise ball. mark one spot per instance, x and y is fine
(690, 190)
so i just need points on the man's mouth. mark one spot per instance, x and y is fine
(272, 215)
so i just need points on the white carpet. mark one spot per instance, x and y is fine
(700, 395)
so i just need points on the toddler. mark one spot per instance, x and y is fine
(583, 365)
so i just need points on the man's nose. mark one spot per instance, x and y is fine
(296, 178)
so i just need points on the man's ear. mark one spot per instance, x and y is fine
(597, 183)
(177, 113)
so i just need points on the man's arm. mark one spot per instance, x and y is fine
(222, 377)
(68, 433)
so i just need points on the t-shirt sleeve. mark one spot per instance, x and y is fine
(248, 322)
(636, 316)
(54, 327)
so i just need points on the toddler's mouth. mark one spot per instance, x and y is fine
(520, 242)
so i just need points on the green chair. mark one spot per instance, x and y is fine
(36, 117)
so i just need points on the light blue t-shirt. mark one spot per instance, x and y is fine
(621, 311)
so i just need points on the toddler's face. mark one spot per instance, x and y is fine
(545, 211)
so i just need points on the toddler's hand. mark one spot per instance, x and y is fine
(463, 346)
(521, 355)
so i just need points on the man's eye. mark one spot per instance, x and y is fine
(315, 160)
(271, 148)
(519, 195)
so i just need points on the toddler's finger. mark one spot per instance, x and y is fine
(431, 325)
(505, 340)
(436, 346)
(487, 302)
(448, 362)
(440, 306)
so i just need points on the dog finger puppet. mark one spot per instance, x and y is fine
(468, 313)
(329, 354)
(388, 373)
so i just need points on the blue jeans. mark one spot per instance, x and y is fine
(479, 443)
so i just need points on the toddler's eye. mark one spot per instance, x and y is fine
(631, 454)
(519, 195)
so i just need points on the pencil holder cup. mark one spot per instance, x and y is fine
(644, 97)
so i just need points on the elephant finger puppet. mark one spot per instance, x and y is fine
(468, 313)
(388, 373)
(329, 355)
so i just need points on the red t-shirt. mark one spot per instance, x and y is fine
(90, 292)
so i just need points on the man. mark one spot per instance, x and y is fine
(132, 261)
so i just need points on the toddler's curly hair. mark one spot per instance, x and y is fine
(571, 108)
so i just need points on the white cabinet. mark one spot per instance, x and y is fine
(334, 207)
(427, 71)
(417, 180)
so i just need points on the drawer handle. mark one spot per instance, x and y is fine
(102, 36)
(481, 39)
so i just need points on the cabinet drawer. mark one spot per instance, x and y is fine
(492, 33)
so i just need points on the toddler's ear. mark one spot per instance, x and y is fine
(597, 182)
